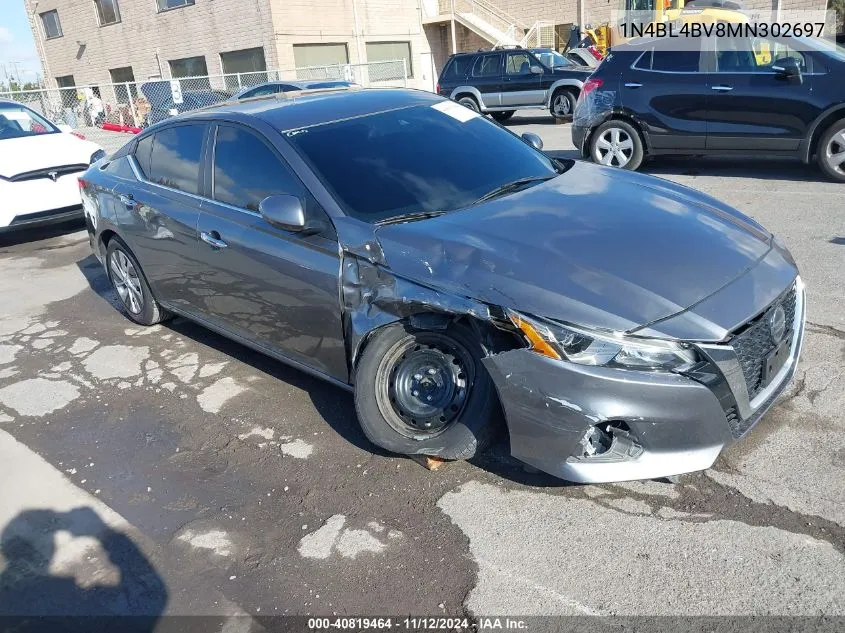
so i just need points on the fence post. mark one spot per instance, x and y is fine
(135, 121)
(239, 82)
(404, 72)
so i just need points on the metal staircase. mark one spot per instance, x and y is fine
(487, 20)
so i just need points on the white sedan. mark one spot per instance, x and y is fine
(39, 167)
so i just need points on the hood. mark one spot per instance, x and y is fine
(28, 153)
(596, 246)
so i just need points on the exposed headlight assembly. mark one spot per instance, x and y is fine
(96, 156)
(586, 347)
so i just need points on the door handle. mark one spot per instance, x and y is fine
(722, 88)
(633, 84)
(127, 200)
(213, 239)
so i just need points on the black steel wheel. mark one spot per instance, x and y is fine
(422, 384)
(425, 392)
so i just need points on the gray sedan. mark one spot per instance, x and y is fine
(399, 245)
(275, 87)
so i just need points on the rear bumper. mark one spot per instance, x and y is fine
(579, 135)
(663, 424)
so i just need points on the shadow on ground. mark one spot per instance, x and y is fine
(38, 578)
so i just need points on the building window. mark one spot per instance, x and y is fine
(107, 12)
(244, 68)
(67, 90)
(121, 77)
(307, 55)
(389, 51)
(190, 67)
(165, 5)
(51, 24)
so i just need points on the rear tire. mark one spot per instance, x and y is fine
(562, 104)
(831, 152)
(502, 116)
(130, 285)
(470, 102)
(616, 143)
(426, 392)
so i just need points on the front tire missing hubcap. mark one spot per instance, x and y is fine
(401, 368)
(423, 383)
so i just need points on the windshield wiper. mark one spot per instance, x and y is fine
(511, 186)
(410, 217)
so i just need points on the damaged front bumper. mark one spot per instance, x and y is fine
(593, 424)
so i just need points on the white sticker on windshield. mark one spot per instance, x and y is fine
(456, 111)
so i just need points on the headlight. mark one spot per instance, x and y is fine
(592, 348)
(96, 156)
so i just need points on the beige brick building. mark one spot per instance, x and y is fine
(97, 42)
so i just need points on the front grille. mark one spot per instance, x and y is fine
(755, 342)
(61, 170)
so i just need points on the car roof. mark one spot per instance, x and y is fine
(295, 110)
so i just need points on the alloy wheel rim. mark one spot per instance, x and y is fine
(126, 281)
(426, 386)
(614, 148)
(561, 105)
(835, 152)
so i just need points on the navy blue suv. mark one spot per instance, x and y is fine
(501, 81)
(723, 99)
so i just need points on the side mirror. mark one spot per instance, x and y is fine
(787, 68)
(532, 139)
(536, 70)
(285, 212)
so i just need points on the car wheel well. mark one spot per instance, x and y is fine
(821, 129)
(620, 117)
(461, 95)
(105, 238)
(493, 339)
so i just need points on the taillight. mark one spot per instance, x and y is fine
(82, 184)
(595, 52)
(590, 85)
(78, 135)
(438, 87)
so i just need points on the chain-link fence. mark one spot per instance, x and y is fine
(131, 106)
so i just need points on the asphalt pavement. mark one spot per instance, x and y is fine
(169, 471)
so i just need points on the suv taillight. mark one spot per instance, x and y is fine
(589, 86)
(438, 87)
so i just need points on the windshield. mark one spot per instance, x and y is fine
(17, 121)
(419, 159)
(552, 59)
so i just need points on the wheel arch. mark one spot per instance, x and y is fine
(575, 85)
(374, 298)
(468, 91)
(809, 145)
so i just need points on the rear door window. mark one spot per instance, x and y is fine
(487, 66)
(175, 159)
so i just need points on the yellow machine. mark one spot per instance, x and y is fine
(696, 11)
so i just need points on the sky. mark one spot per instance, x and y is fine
(16, 43)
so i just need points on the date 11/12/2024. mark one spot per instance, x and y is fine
(418, 623)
